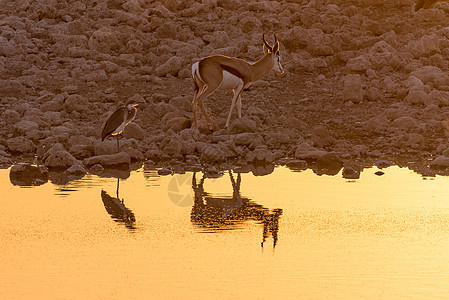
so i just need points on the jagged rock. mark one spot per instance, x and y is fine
(134, 131)
(352, 88)
(243, 124)
(134, 154)
(440, 162)
(213, 153)
(358, 64)
(329, 164)
(53, 118)
(121, 159)
(177, 124)
(165, 172)
(415, 96)
(5, 160)
(82, 151)
(75, 172)
(96, 169)
(11, 116)
(262, 169)
(76, 103)
(26, 174)
(245, 138)
(351, 172)
(24, 126)
(297, 164)
(260, 155)
(172, 66)
(405, 123)
(21, 145)
(108, 146)
(307, 152)
(59, 158)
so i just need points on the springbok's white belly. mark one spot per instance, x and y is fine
(230, 82)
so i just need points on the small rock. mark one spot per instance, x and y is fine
(358, 64)
(172, 66)
(243, 124)
(96, 169)
(297, 164)
(405, 123)
(76, 103)
(75, 170)
(351, 172)
(260, 155)
(164, 172)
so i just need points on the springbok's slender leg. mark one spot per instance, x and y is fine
(118, 145)
(195, 104)
(206, 92)
(239, 106)
(237, 94)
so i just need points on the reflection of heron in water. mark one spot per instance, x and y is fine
(117, 209)
(217, 212)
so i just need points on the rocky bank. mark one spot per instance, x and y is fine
(366, 83)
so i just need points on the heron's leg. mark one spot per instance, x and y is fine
(118, 146)
(118, 183)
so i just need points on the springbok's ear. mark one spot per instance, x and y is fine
(276, 48)
(266, 50)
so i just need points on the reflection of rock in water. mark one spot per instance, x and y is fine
(25, 174)
(117, 209)
(222, 212)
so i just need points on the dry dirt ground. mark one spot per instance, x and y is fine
(366, 84)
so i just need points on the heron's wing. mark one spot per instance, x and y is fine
(113, 122)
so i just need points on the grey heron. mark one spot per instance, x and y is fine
(117, 122)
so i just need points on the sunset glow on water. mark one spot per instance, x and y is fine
(375, 237)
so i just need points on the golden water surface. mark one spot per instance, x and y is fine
(287, 235)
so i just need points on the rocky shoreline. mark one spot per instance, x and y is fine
(366, 84)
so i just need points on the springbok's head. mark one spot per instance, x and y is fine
(275, 55)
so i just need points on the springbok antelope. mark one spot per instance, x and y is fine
(219, 72)
(427, 4)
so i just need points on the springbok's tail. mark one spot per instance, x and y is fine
(195, 76)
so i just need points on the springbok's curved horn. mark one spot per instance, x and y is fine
(275, 39)
(266, 43)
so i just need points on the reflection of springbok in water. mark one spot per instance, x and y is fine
(117, 209)
(225, 212)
